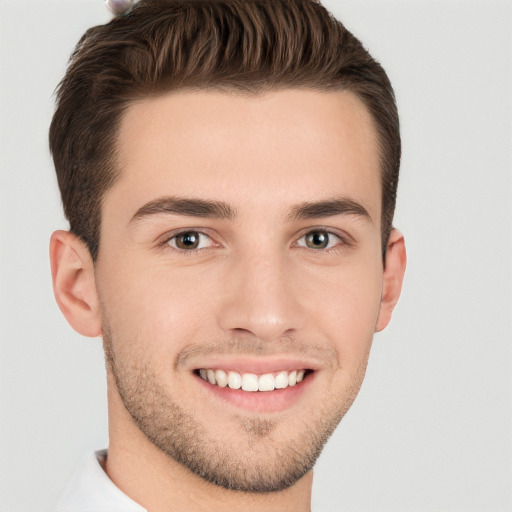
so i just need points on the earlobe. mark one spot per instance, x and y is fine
(74, 285)
(396, 261)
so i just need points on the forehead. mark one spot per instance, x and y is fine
(280, 147)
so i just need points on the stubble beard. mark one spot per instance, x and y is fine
(261, 464)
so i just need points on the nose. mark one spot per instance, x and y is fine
(259, 298)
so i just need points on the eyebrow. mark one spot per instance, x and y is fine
(221, 210)
(328, 208)
(185, 206)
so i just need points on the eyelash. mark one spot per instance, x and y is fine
(189, 252)
(336, 247)
(342, 241)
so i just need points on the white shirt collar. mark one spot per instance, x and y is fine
(91, 490)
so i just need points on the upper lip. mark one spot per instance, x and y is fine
(257, 365)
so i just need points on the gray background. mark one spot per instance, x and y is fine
(431, 428)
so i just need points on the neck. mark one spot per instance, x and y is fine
(160, 484)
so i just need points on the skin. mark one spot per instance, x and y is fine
(253, 289)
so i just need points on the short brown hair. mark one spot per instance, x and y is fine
(247, 46)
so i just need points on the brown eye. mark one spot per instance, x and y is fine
(189, 241)
(317, 240)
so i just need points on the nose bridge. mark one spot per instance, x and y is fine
(259, 296)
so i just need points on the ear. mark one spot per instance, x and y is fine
(394, 269)
(74, 286)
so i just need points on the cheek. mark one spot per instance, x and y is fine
(347, 308)
(154, 309)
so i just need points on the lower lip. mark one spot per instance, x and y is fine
(259, 401)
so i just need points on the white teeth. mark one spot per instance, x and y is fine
(222, 378)
(234, 380)
(266, 382)
(211, 376)
(250, 381)
(281, 380)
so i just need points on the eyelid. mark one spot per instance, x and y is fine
(164, 240)
(342, 236)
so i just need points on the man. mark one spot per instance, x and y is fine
(229, 172)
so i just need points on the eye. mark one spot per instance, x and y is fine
(190, 241)
(319, 239)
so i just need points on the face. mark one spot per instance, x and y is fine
(241, 247)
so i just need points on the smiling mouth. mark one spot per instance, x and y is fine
(251, 382)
